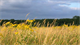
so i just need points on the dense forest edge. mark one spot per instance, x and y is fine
(57, 22)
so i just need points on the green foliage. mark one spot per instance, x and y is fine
(75, 20)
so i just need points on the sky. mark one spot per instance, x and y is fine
(41, 9)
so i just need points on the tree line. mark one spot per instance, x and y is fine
(56, 22)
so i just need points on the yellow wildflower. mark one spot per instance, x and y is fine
(27, 26)
(34, 23)
(27, 19)
(16, 32)
(31, 29)
(7, 23)
(14, 24)
(65, 25)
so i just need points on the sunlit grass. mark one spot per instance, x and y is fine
(25, 34)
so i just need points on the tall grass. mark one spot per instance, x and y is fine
(18, 34)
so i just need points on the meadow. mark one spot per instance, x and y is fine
(26, 34)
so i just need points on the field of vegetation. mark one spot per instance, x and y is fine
(26, 34)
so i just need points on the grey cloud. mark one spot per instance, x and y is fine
(56, 0)
(20, 6)
(37, 8)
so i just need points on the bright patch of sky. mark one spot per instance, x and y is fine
(77, 5)
(73, 5)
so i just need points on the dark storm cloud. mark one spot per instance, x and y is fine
(37, 8)
(20, 6)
